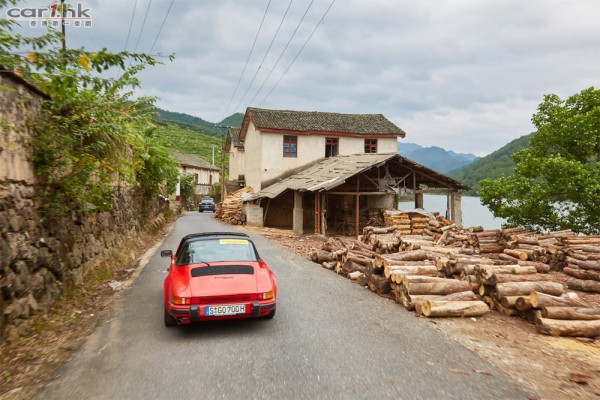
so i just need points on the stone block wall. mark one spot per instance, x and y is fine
(40, 260)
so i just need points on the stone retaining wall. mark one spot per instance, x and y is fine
(40, 260)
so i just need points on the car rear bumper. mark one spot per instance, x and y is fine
(194, 313)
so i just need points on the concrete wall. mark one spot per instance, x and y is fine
(236, 163)
(40, 259)
(253, 158)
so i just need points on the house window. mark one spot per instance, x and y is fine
(370, 145)
(290, 146)
(210, 179)
(196, 178)
(331, 147)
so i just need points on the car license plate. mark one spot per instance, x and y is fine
(233, 309)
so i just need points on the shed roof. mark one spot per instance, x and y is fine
(316, 122)
(193, 161)
(334, 171)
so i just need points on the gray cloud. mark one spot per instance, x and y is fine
(466, 75)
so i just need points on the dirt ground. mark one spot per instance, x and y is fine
(554, 368)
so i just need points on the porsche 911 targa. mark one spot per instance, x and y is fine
(217, 275)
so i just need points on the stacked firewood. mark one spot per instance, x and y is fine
(583, 263)
(231, 209)
(375, 217)
(381, 240)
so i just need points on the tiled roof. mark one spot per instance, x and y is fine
(334, 171)
(314, 121)
(192, 160)
(234, 134)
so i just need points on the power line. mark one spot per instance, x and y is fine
(284, 49)
(300, 51)
(143, 24)
(130, 25)
(161, 26)
(263, 60)
(247, 60)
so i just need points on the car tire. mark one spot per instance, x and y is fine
(169, 319)
(199, 210)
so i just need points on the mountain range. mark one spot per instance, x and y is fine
(435, 157)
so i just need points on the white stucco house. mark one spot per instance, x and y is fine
(273, 144)
(205, 173)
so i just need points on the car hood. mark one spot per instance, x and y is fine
(223, 279)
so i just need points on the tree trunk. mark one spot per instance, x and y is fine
(379, 284)
(521, 255)
(576, 313)
(495, 279)
(557, 327)
(421, 279)
(435, 308)
(582, 273)
(540, 300)
(429, 270)
(442, 288)
(510, 301)
(524, 288)
(593, 265)
(523, 303)
(583, 285)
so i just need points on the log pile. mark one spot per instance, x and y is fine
(434, 276)
(231, 209)
(583, 263)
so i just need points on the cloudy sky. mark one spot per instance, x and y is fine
(465, 75)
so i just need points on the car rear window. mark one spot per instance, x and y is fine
(217, 249)
(207, 201)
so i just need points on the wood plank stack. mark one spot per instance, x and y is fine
(231, 208)
(407, 222)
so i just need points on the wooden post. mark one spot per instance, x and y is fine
(317, 213)
(356, 212)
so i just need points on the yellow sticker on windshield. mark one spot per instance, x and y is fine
(233, 241)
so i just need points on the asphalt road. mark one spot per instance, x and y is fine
(330, 339)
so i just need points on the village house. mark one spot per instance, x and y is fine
(205, 174)
(273, 144)
(322, 172)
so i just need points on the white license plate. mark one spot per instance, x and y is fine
(233, 309)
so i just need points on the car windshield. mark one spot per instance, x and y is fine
(217, 249)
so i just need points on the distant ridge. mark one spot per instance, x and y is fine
(435, 157)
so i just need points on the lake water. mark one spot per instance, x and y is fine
(473, 212)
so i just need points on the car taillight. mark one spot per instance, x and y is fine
(181, 300)
(265, 296)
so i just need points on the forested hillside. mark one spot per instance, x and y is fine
(494, 165)
(189, 142)
(196, 124)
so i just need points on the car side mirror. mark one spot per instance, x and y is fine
(166, 253)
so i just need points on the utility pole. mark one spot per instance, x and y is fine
(62, 23)
(223, 161)
(213, 153)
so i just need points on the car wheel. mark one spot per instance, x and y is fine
(169, 320)
(199, 210)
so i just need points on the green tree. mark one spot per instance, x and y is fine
(93, 136)
(556, 181)
(186, 191)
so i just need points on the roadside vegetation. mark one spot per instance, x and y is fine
(556, 180)
(93, 137)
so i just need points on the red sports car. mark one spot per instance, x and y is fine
(217, 275)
